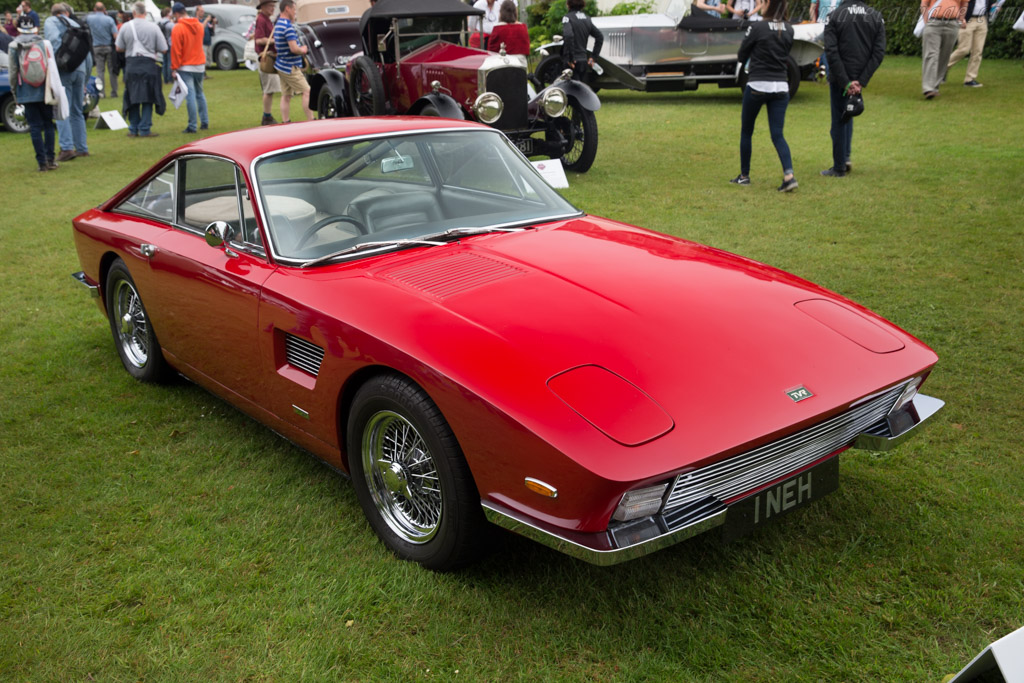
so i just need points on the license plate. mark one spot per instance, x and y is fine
(525, 145)
(743, 516)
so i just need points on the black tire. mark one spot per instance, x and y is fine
(583, 149)
(365, 87)
(793, 76)
(329, 105)
(225, 58)
(12, 122)
(550, 68)
(134, 336)
(410, 476)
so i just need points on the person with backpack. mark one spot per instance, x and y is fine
(72, 48)
(29, 58)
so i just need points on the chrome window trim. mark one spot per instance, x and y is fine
(258, 199)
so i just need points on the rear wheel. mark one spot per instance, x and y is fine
(225, 58)
(134, 337)
(365, 87)
(582, 136)
(14, 121)
(410, 477)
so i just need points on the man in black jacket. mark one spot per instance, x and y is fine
(855, 47)
(972, 40)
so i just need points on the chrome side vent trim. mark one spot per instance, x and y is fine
(303, 354)
(722, 481)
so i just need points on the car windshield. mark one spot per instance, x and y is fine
(349, 199)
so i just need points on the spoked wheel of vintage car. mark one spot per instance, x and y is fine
(410, 477)
(579, 127)
(548, 70)
(328, 105)
(793, 76)
(133, 335)
(365, 87)
(13, 118)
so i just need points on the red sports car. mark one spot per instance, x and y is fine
(406, 298)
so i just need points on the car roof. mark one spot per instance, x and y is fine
(244, 146)
(386, 9)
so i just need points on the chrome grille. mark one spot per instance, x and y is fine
(729, 478)
(615, 45)
(303, 354)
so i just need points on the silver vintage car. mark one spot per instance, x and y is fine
(678, 50)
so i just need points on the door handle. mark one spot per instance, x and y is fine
(148, 250)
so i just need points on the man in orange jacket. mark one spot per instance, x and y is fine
(188, 60)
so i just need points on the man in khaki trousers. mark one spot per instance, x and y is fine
(972, 40)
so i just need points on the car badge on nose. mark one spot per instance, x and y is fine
(799, 394)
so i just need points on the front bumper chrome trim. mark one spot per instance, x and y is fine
(578, 548)
(900, 426)
(81, 278)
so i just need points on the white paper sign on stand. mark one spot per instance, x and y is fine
(552, 171)
(110, 119)
(1004, 657)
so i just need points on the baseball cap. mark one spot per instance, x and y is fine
(178, 8)
(854, 107)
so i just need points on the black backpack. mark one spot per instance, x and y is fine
(75, 46)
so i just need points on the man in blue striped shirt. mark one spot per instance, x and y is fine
(289, 62)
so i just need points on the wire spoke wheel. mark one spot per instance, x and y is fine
(133, 328)
(582, 137)
(402, 477)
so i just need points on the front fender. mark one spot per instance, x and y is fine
(583, 94)
(446, 107)
(550, 49)
(334, 81)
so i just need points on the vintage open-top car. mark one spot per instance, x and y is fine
(670, 52)
(406, 298)
(416, 61)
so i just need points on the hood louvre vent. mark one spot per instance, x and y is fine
(303, 354)
(450, 275)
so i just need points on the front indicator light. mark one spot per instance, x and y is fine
(554, 102)
(640, 503)
(488, 107)
(538, 486)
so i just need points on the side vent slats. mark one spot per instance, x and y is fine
(303, 354)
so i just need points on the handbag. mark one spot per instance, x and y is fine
(267, 59)
(1019, 24)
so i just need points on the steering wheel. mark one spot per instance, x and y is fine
(324, 222)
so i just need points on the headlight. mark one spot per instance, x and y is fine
(640, 503)
(554, 101)
(488, 107)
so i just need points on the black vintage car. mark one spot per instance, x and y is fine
(416, 60)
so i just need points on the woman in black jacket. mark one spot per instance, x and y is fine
(767, 46)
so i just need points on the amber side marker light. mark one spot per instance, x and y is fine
(537, 486)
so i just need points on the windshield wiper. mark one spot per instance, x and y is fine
(364, 246)
(472, 230)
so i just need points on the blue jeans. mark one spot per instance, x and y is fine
(776, 104)
(167, 68)
(842, 133)
(40, 126)
(195, 98)
(71, 130)
(140, 118)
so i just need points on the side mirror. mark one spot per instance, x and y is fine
(219, 232)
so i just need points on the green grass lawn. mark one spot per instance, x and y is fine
(155, 533)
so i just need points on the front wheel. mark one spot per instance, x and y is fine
(14, 121)
(225, 58)
(410, 477)
(328, 105)
(134, 337)
(582, 136)
(549, 69)
(793, 76)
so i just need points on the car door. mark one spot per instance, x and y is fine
(208, 296)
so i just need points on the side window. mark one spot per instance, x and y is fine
(155, 199)
(250, 231)
(210, 193)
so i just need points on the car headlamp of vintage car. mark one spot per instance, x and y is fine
(554, 101)
(640, 503)
(488, 107)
